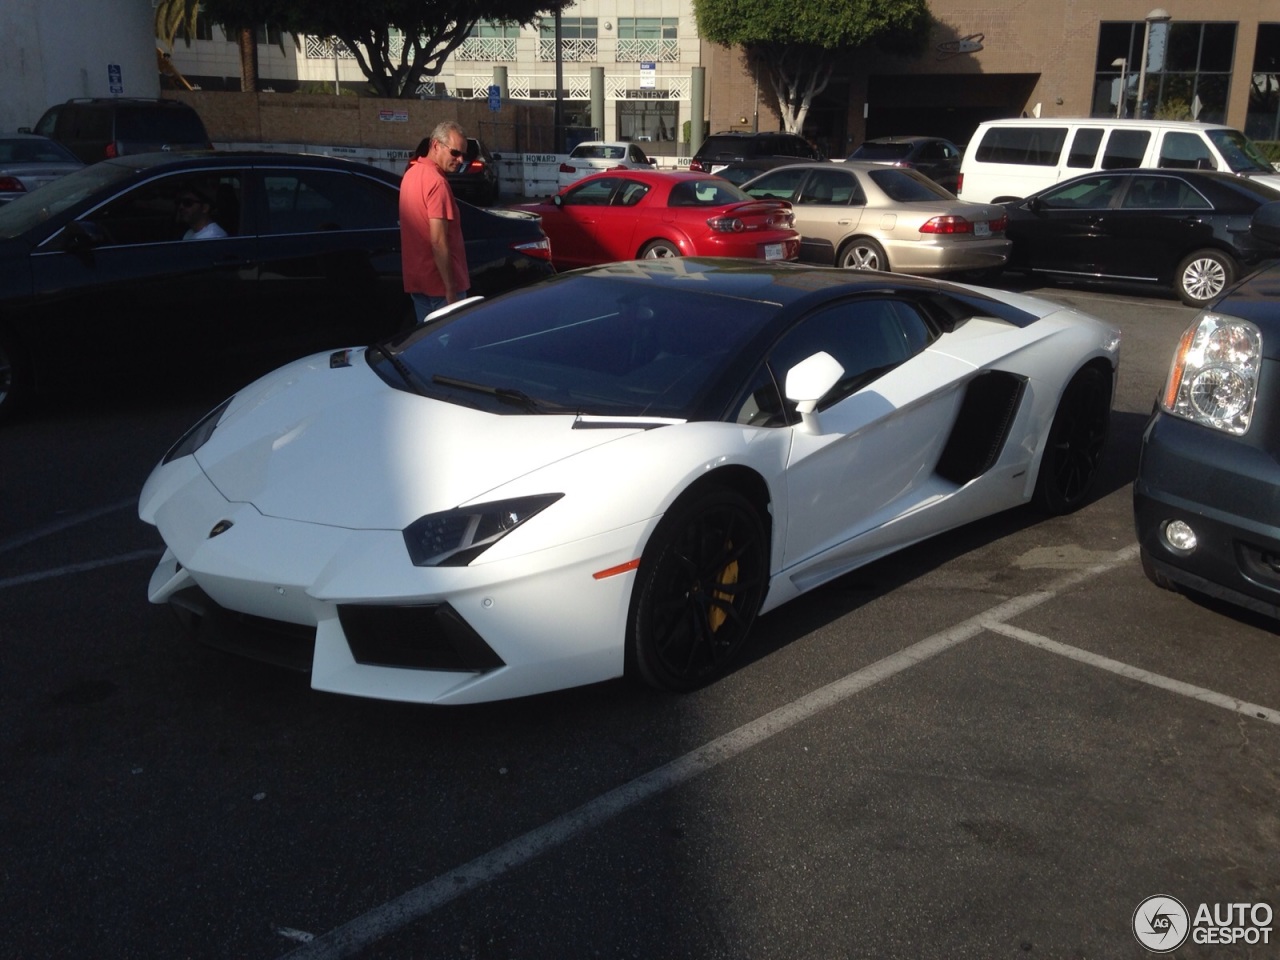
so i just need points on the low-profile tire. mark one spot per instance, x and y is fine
(1073, 450)
(1202, 276)
(659, 250)
(1154, 575)
(700, 584)
(862, 253)
(15, 376)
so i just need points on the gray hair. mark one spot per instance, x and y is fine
(446, 127)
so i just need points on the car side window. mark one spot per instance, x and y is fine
(828, 187)
(310, 201)
(593, 193)
(1185, 151)
(868, 337)
(781, 184)
(1125, 149)
(149, 212)
(1091, 193)
(1084, 148)
(632, 192)
(1163, 193)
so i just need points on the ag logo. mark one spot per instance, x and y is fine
(1161, 924)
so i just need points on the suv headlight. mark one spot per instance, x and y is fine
(1214, 377)
(453, 538)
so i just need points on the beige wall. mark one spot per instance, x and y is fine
(321, 120)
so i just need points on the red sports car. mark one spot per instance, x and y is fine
(634, 214)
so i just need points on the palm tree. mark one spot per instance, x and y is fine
(179, 16)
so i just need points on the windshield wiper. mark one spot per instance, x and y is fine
(410, 378)
(517, 398)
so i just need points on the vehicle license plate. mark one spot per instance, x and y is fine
(773, 251)
(982, 229)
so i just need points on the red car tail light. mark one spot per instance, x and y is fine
(11, 185)
(959, 183)
(111, 150)
(475, 166)
(538, 249)
(565, 168)
(726, 225)
(947, 225)
(1000, 225)
(783, 219)
(695, 166)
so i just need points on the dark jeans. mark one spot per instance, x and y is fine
(424, 304)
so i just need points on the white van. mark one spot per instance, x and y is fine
(1010, 159)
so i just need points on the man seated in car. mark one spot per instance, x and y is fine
(195, 209)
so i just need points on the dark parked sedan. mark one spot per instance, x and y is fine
(1208, 481)
(94, 271)
(1188, 229)
(937, 159)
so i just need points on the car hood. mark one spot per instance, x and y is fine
(340, 447)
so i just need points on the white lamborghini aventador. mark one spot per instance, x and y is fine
(615, 470)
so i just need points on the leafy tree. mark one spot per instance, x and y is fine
(396, 43)
(796, 43)
(399, 43)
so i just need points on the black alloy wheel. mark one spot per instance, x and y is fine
(1074, 447)
(701, 581)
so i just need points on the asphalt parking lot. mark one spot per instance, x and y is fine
(998, 743)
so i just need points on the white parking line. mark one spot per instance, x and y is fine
(22, 579)
(1136, 673)
(22, 539)
(421, 901)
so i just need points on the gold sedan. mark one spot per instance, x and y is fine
(871, 216)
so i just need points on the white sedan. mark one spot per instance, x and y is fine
(614, 471)
(593, 156)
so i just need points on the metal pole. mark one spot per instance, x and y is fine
(1142, 69)
(559, 112)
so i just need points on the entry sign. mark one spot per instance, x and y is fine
(495, 97)
(115, 79)
(648, 74)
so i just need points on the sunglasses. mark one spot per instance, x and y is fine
(457, 154)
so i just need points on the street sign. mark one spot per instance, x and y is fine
(495, 97)
(648, 74)
(115, 79)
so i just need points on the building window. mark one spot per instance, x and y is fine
(647, 28)
(1263, 119)
(649, 122)
(578, 38)
(268, 35)
(1188, 70)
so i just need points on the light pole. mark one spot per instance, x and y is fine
(1123, 64)
(1158, 15)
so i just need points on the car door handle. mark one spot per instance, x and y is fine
(843, 223)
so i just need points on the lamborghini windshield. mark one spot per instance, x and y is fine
(597, 345)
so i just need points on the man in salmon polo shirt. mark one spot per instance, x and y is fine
(432, 253)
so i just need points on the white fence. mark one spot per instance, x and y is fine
(520, 176)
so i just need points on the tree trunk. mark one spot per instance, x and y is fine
(246, 38)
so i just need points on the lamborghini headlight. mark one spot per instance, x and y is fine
(199, 435)
(453, 538)
(1214, 376)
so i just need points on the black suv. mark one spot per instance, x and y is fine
(721, 149)
(100, 128)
